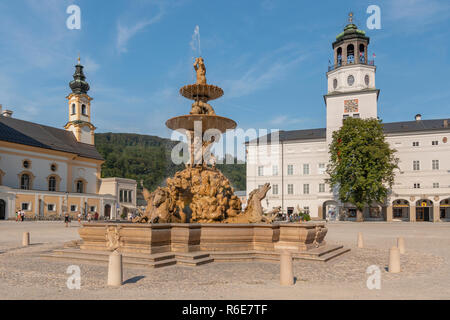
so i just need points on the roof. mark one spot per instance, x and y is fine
(389, 128)
(37, 135)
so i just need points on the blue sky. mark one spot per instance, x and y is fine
(270, 57)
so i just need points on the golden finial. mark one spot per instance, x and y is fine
(79, 59)
(350, 17)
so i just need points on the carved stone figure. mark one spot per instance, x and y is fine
(201, 107)
(199, 66)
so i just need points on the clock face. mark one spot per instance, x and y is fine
(367, 79)
(350, 80)
(335, 83)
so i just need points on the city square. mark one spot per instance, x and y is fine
(150, 162)
(425, 269)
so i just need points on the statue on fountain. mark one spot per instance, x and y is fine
(201, 193)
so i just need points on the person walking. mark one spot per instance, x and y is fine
(66, 219)
(89, 217)
(96, 216)
(79, 218)
(22, 215)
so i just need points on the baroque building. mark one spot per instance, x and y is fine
(47, 171)
(295, 163)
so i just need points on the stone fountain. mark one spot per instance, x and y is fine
(197, 218)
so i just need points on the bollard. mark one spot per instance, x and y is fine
(26, 239)
(394, 260)
(286, 273)
(115, 269)
(401, 245)
(360, 240)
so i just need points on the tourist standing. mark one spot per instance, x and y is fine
(89, 217)
(79, 217)
(96, 216)
(22, 215)
(66, 219)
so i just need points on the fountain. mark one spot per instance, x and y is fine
(197, 218)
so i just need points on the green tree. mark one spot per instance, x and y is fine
(361, 164)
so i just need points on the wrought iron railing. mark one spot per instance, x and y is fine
(349, 62)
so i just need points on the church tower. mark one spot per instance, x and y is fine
(351, 80)
(80, 108)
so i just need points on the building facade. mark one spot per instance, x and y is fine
(47, 171)
(295, 163)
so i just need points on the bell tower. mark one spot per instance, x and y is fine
(80, 108)
(351, 79)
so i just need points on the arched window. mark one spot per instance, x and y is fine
(25, 182)
(80, 186)
(73, 108)
(339, 56)
(350, 53)
(362, 53)
(52, 183)
(83, 109)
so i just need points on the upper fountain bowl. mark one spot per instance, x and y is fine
(201, 91)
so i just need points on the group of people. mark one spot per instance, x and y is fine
(20, 215)
(89, 217)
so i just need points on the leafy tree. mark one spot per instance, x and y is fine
(362, 163)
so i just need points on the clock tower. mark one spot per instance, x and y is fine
(80, 107)
(351, 80)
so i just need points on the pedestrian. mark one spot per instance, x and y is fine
(66, 219)
(17, 216)
(79, 217)
(96, 216)
(89, 217)
(22, 215)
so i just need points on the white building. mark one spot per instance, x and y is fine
(295, 164)
(47, 171)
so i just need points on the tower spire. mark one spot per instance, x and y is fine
(350, 17)
(78, 84)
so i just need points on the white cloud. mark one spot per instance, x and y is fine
(125, 33)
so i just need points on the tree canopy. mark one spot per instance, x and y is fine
(362, 163)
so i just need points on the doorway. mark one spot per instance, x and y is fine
(423, 214)
(107, 213)
(2, 210)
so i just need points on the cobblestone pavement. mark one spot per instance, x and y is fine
(425, 269)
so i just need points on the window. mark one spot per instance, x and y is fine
(290, 189)
(435, 164)
(53, 167)
(321, 187)
(416, 165)
(121, 196)
(26, 164)
(415, 143)
(434, 143)
(306, 168)
(321, 168)
(92, 209)
(51, 207)
(25, 182)
(126, 195)
(73, 208)
(275, 189)
(306, 210)
(274, 170)
(260, 171)
(73, 108)
(435, 185)
(130, 198)
(306, 188)
(290, 170)
(346, 116)
(83, 110)
(25, 206)
(52, 184)
(80, 186)
(356, 115)
(416, 185)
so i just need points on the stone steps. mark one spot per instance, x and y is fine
(159, 260)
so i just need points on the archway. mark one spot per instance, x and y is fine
(350, 54)
(400, 209)
(424, 210)
(444, 210)
(2, 209)
(330, 210)
(107, 212)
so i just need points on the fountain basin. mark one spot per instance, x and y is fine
(187, 122)
(201, 91)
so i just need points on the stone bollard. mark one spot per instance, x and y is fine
(286, 273)
(26, 239)
(394, 260)
(401, 245)
(115, 277)
(360, 240)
